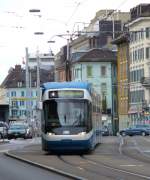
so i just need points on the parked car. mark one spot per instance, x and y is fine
(3, 129)
(105, 131)
(19, 130)
(139, 129)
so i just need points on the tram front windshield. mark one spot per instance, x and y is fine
(62, 113)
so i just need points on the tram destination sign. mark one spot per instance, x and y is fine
(66, 94)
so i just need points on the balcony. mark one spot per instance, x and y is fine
(145, 81)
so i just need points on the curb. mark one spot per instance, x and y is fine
(49, 168)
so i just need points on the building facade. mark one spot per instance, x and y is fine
(4, 106)
(16, 92)
(98, 66)
(122, 43)
(139, 29)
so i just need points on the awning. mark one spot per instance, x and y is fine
(134, 110)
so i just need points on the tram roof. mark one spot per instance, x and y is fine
(61, 85)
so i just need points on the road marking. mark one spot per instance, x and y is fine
(147, 151)
(81, 162)
(92, 162)
(4, 150)
(80, 168)
(131, 165)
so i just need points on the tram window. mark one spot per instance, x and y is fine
(89, 127)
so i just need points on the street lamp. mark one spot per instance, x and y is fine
(38, 78)
(34, 10)
(38, 33)
(67, 68)
(27, 87)
(50, 47)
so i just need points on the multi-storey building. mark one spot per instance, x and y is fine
(98, 66)
(139, 29)
(16, 92)
(122, 43)
(106, 25)
(46, 60)
(4, 106)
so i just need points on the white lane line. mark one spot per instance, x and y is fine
(147, 151)
(80, 168)
(4, 150)
(131, 165)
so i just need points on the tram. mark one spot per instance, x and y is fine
(71, 116)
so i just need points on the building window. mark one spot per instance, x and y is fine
(89, 71)
(103, 88)
(103, 71)
(14, 104)
(22, 93)
(142, 33)
(14, 113)
(13, 93)
(22, 103)
(147, 52)
(19, 84)
(35, 83)
(137, 96)
(148, 32)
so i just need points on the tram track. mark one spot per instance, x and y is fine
(109, 167)
(130, 149)
(138, 175)
(99, 169)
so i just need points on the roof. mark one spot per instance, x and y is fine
(121, 39)
(61, 85)
(98, 55)
(18, 74)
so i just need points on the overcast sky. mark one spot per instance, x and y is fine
(17, 25)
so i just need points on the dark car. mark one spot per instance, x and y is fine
(140, 129)
(19, 131)
(105, 131)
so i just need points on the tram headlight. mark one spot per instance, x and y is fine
(82, 133)
(50, 134)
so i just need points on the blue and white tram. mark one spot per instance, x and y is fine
(71, 118)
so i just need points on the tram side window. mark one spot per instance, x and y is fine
(89, 127)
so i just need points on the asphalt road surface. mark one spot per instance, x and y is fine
(11, 169)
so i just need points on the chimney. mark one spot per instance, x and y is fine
(17, 67)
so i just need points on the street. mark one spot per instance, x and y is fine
(11, 169)
(107, 161)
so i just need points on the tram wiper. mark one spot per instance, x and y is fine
(65, 118)
(78, 120)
